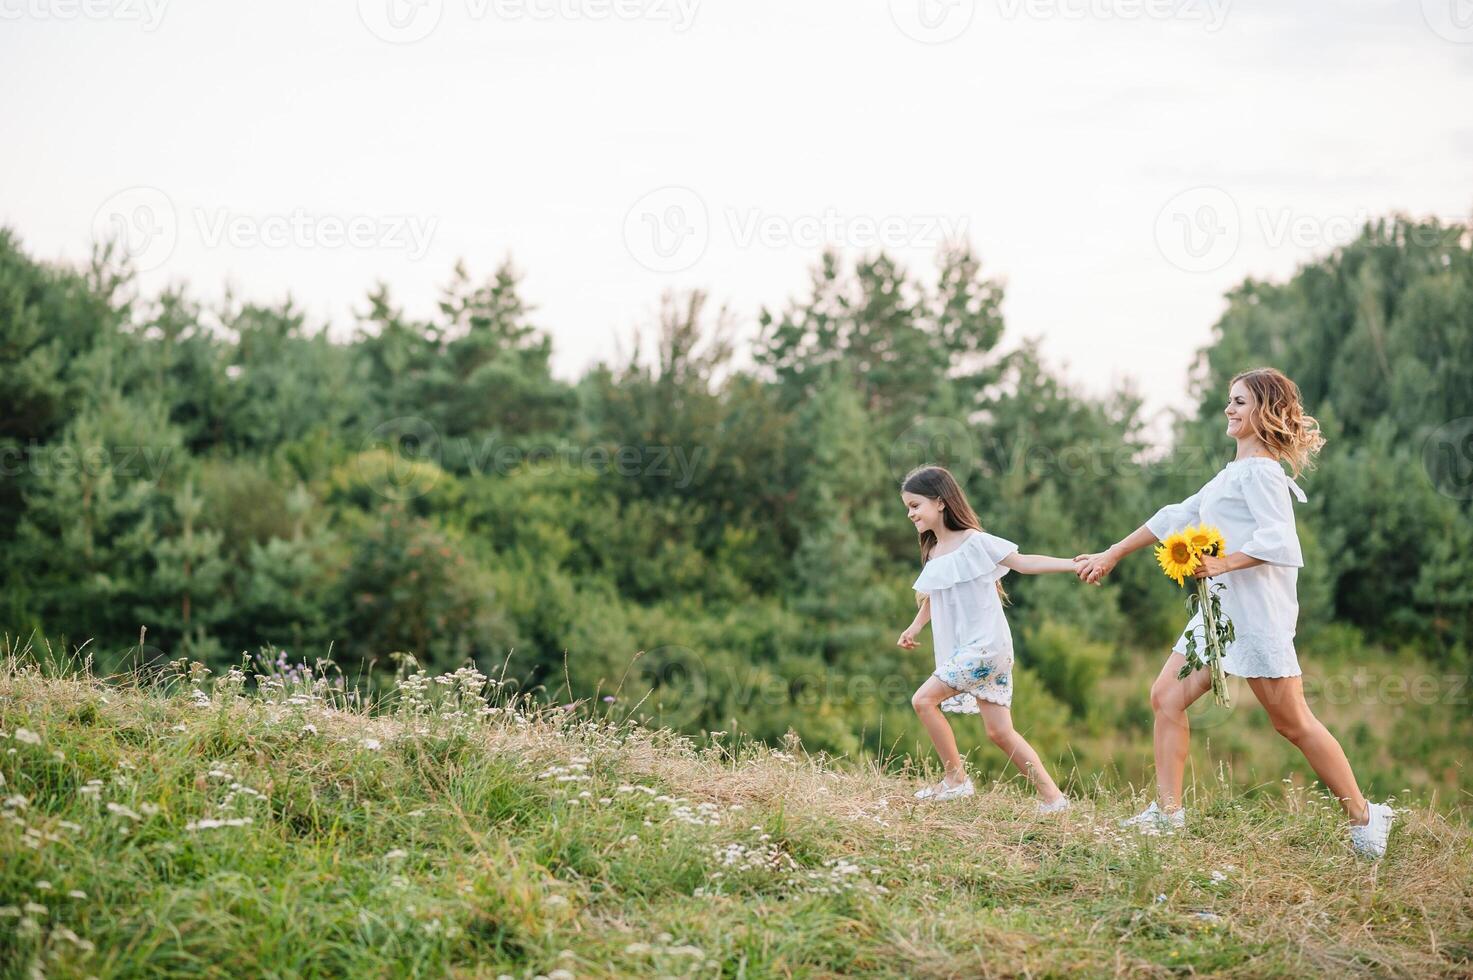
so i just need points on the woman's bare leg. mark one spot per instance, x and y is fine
(1170, 699)
(999, 722)
(927, 702)
(1283, 697)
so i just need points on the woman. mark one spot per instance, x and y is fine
(1249, 501)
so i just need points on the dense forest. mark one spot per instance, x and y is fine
(715, 546)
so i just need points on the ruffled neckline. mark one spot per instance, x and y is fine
(969, 560)
(1279, 469)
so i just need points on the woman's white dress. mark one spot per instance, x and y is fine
(1248, 500)
(974, 647)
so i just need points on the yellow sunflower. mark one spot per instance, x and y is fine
(1206, 540)
(1176, 556)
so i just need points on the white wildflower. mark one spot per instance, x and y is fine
(210, 823)
(27, 736)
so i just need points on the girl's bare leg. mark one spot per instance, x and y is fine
(1170, 699)
(927, 702)
(1283, 697)
(999, 722)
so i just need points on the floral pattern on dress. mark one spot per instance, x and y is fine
(978, 674)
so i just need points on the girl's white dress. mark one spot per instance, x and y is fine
(1248, 500)
(974, 647)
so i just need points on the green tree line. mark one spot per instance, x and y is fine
(721, 539)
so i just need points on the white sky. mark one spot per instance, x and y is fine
(1078, 142)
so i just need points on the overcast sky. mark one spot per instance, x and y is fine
(1119, 163)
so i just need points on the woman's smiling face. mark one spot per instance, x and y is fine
(1240, 408)
(924, 512)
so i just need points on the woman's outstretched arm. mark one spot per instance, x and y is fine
(1092, 568)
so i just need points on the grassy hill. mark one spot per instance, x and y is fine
(212, 827)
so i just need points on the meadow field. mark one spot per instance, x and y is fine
(190, 824)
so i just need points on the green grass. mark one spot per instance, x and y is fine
(464, 845)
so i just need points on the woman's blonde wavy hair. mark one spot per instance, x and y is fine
(1279, 418)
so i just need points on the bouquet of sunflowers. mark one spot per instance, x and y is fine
(1179, 555)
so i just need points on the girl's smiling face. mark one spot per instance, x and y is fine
(924, 512)
(1239, 411)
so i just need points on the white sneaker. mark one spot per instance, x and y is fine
(942, 791)
(1057, 806)
(1370, 840)
(1154, 821)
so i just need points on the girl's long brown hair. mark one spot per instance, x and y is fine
(1279, 419)
(937, 483)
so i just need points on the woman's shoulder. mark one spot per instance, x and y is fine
(1260, 475)
(1263, 470)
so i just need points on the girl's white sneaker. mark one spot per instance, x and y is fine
(1369, 840)
(941, 791)
(1057, 806)
(1155, 821)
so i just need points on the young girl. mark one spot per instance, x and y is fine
(1249, 500)
(960, 595)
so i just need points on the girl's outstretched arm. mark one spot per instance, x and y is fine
(1037, 564)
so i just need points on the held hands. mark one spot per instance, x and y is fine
(1092, 567)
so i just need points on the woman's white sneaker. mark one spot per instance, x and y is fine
(1369, 839)
(1154, 821)
(1057, 806)
(943, 791)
